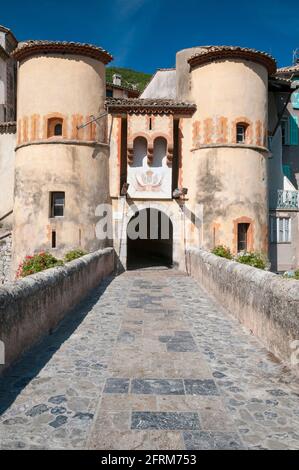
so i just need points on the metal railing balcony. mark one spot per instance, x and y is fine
(287, 200)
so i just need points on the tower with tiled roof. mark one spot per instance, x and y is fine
(61, 171)
(225, 146)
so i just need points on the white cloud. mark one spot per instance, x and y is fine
(132, 30)
(127, 8)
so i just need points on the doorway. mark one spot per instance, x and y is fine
(149, 240)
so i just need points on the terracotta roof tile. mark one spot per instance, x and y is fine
(144, 106)
(279, 79)
(28, 48)
(210, 53)
(288, 70)
(8, 127)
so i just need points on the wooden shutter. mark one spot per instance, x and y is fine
(294, 138)
(287, 171)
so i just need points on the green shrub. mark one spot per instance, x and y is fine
(252, 259)
(292, 275)
(37, 263)
(222, 251)
(74, 254)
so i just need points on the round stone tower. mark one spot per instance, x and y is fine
(61, 172)
(224, 157)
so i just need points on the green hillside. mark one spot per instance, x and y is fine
(129, 77)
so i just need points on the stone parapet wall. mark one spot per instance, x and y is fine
(5, 259)
(263, 302)
(32, 307)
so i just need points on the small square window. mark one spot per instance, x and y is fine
(57, 202)
(55, 127)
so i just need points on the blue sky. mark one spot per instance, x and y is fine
(145, 34)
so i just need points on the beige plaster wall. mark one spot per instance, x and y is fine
(82, 173)
(139, 125)
(233, 90)
(72, 87)
(229, 184)
(183, 77)
(228, 180)
(114, 129)
(7, 163)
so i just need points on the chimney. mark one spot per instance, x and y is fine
(116, 79)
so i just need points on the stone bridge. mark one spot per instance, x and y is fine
(149, 360)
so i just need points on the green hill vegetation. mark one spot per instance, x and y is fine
(129, 77)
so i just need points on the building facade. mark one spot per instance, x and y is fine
(284, 201)
(197, 160)
(117, 89)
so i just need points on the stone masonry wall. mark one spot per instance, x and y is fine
(265, 303)
(32, 307)
(5, 260)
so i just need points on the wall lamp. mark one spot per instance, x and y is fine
(178, 193)
(125, 189)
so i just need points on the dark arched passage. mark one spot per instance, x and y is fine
(149, 240)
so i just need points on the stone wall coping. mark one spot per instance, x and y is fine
(265, 303)
(27, 286)
(31, 48)
(277, 283)
(32, 307)
(239, 146)
(92, 143)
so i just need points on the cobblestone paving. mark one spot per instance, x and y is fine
(149, 361)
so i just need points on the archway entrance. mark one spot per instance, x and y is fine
(149, 240)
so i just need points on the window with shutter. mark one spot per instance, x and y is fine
(280, 229)
(294, 137)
